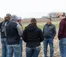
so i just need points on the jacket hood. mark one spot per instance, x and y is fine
(14, 18)
(31, 27)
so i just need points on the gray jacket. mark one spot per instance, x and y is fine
(49, 31)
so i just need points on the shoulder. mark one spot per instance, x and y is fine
(63, 20)
(45, 25)
(39, 30)
(2, 22)
(53, 25)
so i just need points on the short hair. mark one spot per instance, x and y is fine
(63, 14)
(33, 20)
(49, 19)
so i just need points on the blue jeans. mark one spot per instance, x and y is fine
(32, 52)
(62, 45)
(50, 42)
(4, 49)
(21, 45)
(13, 49)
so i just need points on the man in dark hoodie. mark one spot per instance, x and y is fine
(3, 33)
(62, 35)
(32, 35)
(49, 32)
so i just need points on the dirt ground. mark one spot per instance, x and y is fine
(56, 49)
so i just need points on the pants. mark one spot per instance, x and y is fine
(13, 49)
(21, 45)
(50, 42)
(62, 45)
(32, 52)
(4, 49)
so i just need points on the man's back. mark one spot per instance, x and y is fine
(32, 36)
(12, 33)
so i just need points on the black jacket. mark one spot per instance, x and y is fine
(2, 28)
(32, 35)
(12, 33)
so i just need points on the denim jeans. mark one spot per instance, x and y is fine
(32, 52)
(4, 47)
(50, 42)
(62, 45)
(21, 45)
(13, 49)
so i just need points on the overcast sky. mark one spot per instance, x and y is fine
(31, 8)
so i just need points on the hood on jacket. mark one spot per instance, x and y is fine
(31, 27)
(14, 18)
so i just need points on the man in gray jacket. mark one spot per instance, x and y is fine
(49, 32)
(13, 33)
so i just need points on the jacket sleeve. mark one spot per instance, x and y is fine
(43, 31)
(0, 26)
(41, 36)
(24, 36)
(54, 31)
(20, 32)
(61, 29)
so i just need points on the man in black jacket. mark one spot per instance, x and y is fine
(3, 33)
(13, 33)
(32, 35)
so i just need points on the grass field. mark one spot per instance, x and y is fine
(41, 25)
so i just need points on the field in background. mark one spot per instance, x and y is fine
(41, 24)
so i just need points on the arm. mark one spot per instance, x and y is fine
(61, 29)
(43, 31)
(41, 36)
(24, 36)
(20, 32)
(54, 31)
(0, 26)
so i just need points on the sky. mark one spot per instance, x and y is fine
(31, 8)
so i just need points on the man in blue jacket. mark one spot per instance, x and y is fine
(49, 32)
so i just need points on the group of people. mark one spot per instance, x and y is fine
(13, 35)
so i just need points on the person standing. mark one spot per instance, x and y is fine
(13, 33)
(19, 20)
(32, 36)
(49, 32)
(3, 34)
(62, 35)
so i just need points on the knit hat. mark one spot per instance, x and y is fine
(8, 15)
(19, 18)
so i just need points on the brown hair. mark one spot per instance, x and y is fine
(33, 20)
